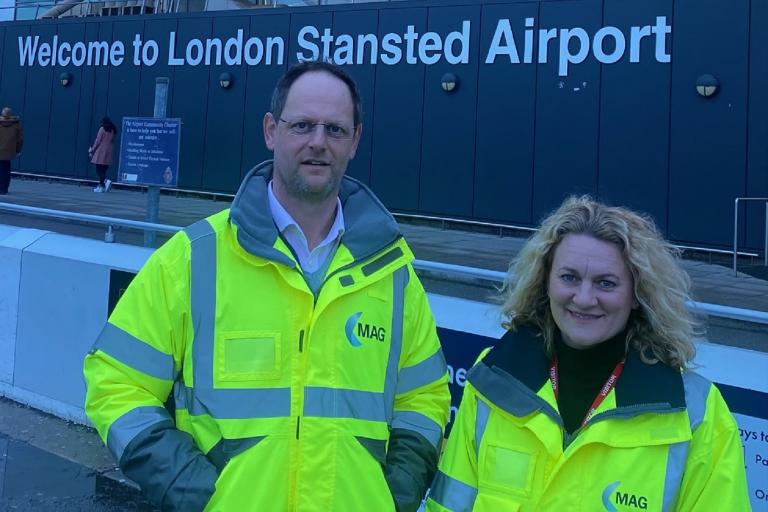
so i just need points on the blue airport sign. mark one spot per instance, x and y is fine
(149, 151)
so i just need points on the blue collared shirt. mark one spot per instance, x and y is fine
(309, 261)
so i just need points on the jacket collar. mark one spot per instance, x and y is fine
(513, 372)
(369, 227)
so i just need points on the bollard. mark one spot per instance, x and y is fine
(109, 236)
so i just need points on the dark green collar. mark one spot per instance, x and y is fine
(518, 364)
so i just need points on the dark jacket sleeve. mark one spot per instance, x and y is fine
(173, 473)
(411, 465)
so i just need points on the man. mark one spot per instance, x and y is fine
(11, 141)
(292, 330)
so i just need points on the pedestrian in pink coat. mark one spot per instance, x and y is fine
(101, 153)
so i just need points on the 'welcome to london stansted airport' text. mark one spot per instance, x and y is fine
(513, 43)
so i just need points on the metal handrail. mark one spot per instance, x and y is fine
(704, 308)
(716, 310)
(86, 217)
(736, 228)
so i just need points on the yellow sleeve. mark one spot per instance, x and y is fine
(423, 380)
(455, 485)
(136, 356)
(715, 477)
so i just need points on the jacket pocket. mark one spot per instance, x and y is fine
(376, 447)
(248, 355)
(225, 449)
(507, 469)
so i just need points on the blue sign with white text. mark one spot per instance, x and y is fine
(149, 151)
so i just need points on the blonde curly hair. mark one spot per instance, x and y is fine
(661, 329)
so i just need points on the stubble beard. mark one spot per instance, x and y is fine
(298, 187)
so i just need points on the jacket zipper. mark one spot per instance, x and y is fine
(301, 351)
(616, 412)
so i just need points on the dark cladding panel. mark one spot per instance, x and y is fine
(124, 80)
(757, 149)
(37, 108)
(13, 85)
(355, 23)
(100, 96)
(157, 31)
(2, 53)
(634, 114)
(708, 135)
(13, 79)
(190, 102)
(566, 111)
(505, 120)
(396, 137)
(226, 110)
(306, 30)
(63, 144)
(260, 81)
(86, 126)
(448, 147)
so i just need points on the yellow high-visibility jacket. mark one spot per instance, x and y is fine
(660, 441)
(284, 399)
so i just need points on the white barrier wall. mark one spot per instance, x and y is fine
(12, 242)
(53, 303)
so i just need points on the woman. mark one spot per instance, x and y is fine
(586, 403)
(101, 153)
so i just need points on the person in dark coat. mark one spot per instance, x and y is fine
(101, 153)
(11, 141)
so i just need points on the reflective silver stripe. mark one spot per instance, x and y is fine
(133, 352)
(399, 282)
(125, 428)
(678, 453)
(344, 403)
(419, 423)
(203, 299)
(696, 393)
(421, 374)
(452, 494)
(382, 262)
(481, 421)
(227, 404)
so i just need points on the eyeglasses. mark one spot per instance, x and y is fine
(303, 128)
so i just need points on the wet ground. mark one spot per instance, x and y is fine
(34, 480)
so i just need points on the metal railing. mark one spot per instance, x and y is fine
(736, 228)
(84, 8)
(87, 218)
(447, 269)
(80, 8)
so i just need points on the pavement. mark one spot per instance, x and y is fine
(446, 242)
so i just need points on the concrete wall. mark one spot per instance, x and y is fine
(54, 292)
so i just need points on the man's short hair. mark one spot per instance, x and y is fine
(7, 112)
(280, 94)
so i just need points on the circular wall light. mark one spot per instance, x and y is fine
(65, 78)
(225, 80)
(707, 85)
(449, 82)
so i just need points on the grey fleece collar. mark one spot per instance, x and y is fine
(370, 228)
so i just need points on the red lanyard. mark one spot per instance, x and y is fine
(607, 387)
